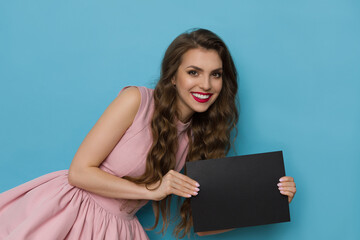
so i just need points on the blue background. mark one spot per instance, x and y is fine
(63, 62)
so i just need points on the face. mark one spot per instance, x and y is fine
(198, 81)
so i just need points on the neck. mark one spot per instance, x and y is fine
(186, 119)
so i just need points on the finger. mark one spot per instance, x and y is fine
(286, 179)
(287, 193)
(188, 180)
(172, 187)
(286, 184)
(180, 183)
(180, 187)
(290, 189)
(175, 180)
(184, 178)
(180, 193)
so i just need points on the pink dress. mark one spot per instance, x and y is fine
(48, 207)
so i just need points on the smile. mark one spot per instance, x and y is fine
(201, 97)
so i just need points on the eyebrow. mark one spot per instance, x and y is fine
(199, 69)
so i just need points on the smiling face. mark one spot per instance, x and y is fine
(198, 81)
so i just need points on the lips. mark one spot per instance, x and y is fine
(201, 97)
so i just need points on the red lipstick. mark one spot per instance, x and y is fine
(202, 100)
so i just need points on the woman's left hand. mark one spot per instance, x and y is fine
(287, 187)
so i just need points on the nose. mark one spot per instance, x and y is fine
(205, 83)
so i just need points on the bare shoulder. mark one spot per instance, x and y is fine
(126, 104)
(129, 95)
(108, 130)
(131, 91)
(122, 110)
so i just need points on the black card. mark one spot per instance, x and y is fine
(238, 191)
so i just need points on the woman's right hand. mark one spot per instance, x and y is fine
(174, 183)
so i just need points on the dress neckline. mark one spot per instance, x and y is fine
(182, 126)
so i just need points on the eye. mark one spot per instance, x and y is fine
(217, 74)
(192, 72)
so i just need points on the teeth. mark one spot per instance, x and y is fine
(201, 96)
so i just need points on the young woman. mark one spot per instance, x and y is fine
(135, 151)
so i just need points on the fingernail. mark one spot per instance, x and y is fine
(281, 179)
(189, 195)
(280, 188)
(282, 191)
(198, 185)
(279, 184)
(195, 193)
(196, 189)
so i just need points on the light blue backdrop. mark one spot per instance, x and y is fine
(63, 62)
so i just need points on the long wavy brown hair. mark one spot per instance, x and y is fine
(208, 132)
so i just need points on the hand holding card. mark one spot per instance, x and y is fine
(287, 187)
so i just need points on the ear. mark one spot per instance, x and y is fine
(173, 81)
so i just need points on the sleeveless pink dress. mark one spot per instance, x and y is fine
(48, 207)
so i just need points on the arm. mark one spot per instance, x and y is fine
(84, 171)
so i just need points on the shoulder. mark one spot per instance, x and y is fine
(129, 98)
(137, 92)
(138, 99)
(132, 92)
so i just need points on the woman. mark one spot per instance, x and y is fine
(135, 151)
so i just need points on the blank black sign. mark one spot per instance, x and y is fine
(238, 191)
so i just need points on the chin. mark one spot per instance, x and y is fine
(201, 109)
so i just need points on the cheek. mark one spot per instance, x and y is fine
(219, 86)
(184, 82)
